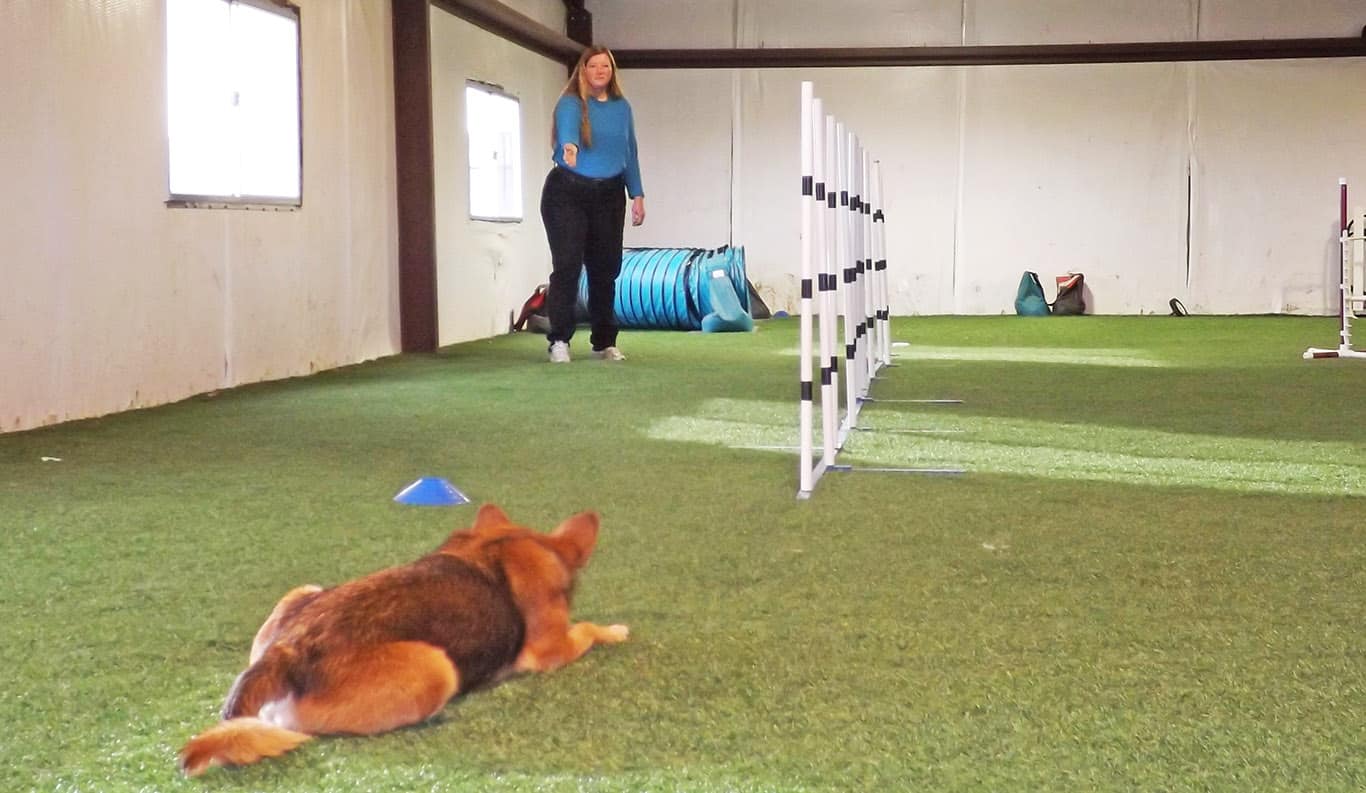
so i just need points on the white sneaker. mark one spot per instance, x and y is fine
(559, 352)
(609, 354)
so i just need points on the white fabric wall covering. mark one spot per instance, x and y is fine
(899, 23)
(992, 22)
(112, 301)
(1096, 183)
(685, 206)
(1264, 231)
(919, 160)
(868, 23)
(990, 171)
(920, 157)
(485, 270)
(652, 24)
(1073, 168)
(1241, 19)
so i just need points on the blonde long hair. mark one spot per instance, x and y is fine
(578, 87)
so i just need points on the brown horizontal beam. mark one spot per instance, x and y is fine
(1001, 55)
(518, 28)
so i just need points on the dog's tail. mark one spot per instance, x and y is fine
(239, 741)
(242, 737)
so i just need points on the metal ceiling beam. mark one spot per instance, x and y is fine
(516, 27)
(1000, 55)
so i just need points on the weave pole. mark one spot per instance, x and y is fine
(808, 473)
(822, 129)
(884, 318)
(848, 245)
(857, 174)
(871, 360)
(843, 275)
(1351, 290)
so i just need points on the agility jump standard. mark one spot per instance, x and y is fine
(843, 260)
(1351, 281)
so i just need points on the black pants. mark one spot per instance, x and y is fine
(584, 219)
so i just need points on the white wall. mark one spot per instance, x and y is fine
(990, 171)
(109, 300)
(1270, 141)
(486, 270)
(686, 167)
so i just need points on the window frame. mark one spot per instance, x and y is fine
(292, 12)
(492, 89)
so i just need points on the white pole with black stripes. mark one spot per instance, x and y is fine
(829, 400)
(828, 202)
(848, 269)
(807, 478)
(884, 313)
(854, 304)
(843, 277)
(861, 220)
(871, 358)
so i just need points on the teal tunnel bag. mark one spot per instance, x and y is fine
(1029, 299)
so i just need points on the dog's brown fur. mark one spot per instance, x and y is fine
(391, 648)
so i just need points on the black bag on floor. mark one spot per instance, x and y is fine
(1070, 299)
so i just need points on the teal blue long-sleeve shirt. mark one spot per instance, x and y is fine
(613, 151)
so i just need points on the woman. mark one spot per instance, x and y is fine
(583, 203)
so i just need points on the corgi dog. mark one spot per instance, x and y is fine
(391, 648)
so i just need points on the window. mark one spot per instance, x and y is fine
(494, 127)
(232, 80)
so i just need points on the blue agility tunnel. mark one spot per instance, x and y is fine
(680, 289)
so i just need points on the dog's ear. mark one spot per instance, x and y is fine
(490, 516)
(573, 540)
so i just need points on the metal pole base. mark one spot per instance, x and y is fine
(1314, 353)
(913, 401)
(850, 469)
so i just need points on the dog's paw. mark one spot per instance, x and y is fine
(612, 634)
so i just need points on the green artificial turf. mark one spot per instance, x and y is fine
(1152, 577)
